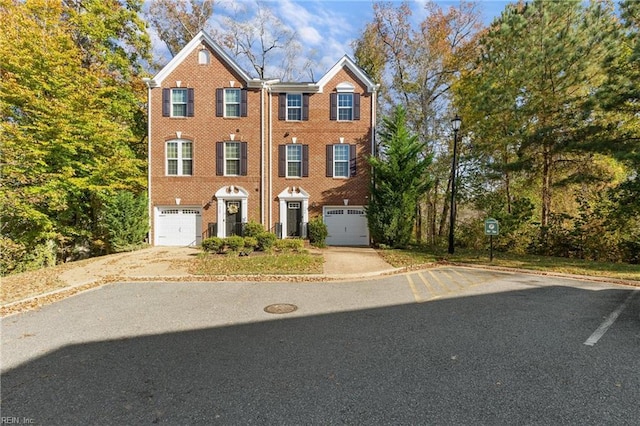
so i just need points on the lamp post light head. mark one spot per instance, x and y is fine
(456, 122)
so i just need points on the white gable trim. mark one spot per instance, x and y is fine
(345, 61)
(195, 43)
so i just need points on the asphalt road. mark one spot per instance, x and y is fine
(444, 346)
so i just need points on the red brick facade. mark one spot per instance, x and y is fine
(259, 189)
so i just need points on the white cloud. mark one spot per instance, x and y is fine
(309, 36)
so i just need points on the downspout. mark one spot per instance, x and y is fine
(262, 177)
(150, 85)
(374, 99)
(270, 126)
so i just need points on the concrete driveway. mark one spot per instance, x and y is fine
(354, 262)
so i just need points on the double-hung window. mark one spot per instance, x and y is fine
(341, 160)
(179, 158)
(232, 102)
(345, 103)
(345, 106)
(177, 102)
(294, 106)
(232, 158)
(294, 160)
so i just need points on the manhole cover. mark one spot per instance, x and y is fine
(280, 308)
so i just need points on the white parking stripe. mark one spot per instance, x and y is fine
(593, 339)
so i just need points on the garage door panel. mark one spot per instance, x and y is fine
(178, 226)
(346, 226)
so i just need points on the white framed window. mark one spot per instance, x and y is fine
(345, 106)
(341, 161)
(232, 102)
(178, 102)
(179, 158)
(294, 160)
(232, 158)
(294, 106)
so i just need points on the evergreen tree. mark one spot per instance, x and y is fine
(400, 179)
(124, 221)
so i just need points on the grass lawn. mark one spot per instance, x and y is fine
(258, 264)
(411, 257)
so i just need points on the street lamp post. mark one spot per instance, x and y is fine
(452, 209)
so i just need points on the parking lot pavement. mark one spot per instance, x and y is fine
(482, 348)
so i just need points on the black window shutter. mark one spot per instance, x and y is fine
(356, 106)
(305, 107)
(282, 160)
(166, 102)
(329, 160)
(190, 102)
(219, 158)
(352, 160)
(305, 160)
(282, 106)
(243, 158)
(219, 102)
(243, 103)
(333, 113)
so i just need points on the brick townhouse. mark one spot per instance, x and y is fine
(226, 148)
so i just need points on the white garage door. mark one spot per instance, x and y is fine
(347, 226)
(178, 226)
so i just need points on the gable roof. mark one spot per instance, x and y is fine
(347, 62)
(204, 38)
(195, 43)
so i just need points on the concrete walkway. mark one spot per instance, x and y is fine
(354, 262)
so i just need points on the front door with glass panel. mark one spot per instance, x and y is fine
(294, 218)
(233, 218)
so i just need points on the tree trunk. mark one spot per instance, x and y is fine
(419, 222)
(434, 209)
(507, 183)
(546, 186)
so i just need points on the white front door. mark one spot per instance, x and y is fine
(178, 226)
(347, 226)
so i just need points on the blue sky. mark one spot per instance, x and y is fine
(327, 27)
